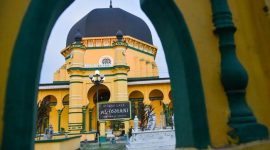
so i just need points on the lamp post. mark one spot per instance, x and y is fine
(97, 79)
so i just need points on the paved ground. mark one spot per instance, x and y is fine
(103, 146)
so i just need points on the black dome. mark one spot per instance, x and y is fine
(107, 21)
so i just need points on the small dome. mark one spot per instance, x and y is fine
(107, 21)
(119, 35)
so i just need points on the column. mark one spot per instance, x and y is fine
(90, 119)
(121, 68)
(234, 78)
(84, 118)
(59, 119)
(126, 122)
(75, 121)
(76, 85)
(166, 111)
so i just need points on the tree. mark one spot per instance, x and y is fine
(43, 109)
(146, 111)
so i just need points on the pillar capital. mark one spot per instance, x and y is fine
(59, 111)
(91, 109)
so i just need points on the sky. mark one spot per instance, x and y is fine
(53, 59)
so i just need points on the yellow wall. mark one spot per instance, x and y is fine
(145, 89)
(67, 144)
(141, 64)
(10, 23)
(61, 74)
(53, 119)
(134, 61)
(59, 94)
(252, 43)
(92, 56)
(156, 104)
(253, 50)
(64, 118)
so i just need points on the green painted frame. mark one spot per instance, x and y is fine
(27, 58)
(191, 124)
(24, 73)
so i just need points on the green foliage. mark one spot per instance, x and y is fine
(43, 109)
(144, 115)
(115, 125)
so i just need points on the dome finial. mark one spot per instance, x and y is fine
(119, 35)
(78, 36)
(110, 3)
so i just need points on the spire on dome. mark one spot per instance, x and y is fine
(110, 3)
(78, 36)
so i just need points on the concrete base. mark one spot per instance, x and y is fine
(152, 140)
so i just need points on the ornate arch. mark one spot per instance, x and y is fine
(184, 73)
(156, 94)
(136, 98)
(51, 98)
(136, 94)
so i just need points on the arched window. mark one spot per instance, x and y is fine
(136, 99)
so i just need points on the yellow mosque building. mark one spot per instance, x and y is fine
(119, 45)
(217, 53)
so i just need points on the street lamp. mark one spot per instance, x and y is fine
(97, 79)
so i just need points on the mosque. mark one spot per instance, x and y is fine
(217, 53)
(118, 45)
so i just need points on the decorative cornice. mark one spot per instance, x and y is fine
(139, 50)
(120, 80)
(51, 87)
(148, 82)
(121, 66)
(77, 45)
(66, 51)
(106, 75)
(143, 78)
(107, 42)
(75, 82)
(119, 43)
(100, 47)
(68, 56)
(89, 69)
(60, 82)
(99, 68)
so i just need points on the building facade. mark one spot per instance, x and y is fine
(217, 55)
(118, 45)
